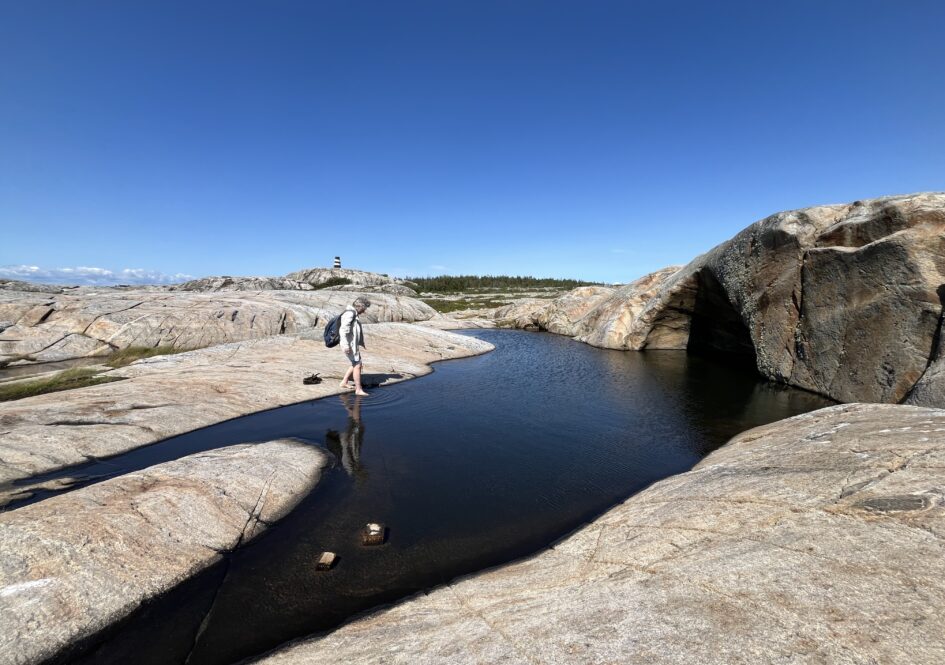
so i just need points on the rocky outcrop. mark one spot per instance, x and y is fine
(19, 285)
(817, 539)
(560, 315)
(319, 276)
(227, 283)
(168, 395)
(73, 565)
(48, 328)
(441, 322)
(524, 313)
(303, 280)
(842, 300)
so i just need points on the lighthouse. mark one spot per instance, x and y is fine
(337, 263)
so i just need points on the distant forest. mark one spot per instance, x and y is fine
(465, 283)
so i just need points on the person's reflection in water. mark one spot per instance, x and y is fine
(347, 446)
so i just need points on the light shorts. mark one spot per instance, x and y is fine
(354, 358)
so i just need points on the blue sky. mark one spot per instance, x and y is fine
(595, 140)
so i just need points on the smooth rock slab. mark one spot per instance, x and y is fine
(169, 395)
(80, 323)
(816, 539)
(72, 565)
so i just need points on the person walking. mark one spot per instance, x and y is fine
(352, 341)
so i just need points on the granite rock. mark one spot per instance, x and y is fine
(58, 327)
(227, 283)
(75, 564)
(20, 285)
(319, 276)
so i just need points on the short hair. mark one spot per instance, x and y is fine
(361, 302)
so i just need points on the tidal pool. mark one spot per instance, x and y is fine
(486, 460)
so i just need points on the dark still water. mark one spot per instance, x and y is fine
(487, 459)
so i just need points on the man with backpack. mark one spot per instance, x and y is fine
(351, 339)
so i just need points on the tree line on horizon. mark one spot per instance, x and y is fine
(460, 283)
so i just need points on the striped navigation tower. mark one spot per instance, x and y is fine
(337, 262)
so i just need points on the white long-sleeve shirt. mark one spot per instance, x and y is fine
(349, 329)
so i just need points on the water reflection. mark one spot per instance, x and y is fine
(347, 446)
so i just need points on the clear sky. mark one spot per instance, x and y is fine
(587, 139)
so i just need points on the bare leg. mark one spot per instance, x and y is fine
(344, 381)
(358, 390)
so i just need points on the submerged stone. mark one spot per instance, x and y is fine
(373, 534)
(326, 561)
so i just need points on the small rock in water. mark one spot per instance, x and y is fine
(326, 561)
(373, 534)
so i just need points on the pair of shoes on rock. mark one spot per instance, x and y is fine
(312, 379)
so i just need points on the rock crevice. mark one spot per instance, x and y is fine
(842, 300)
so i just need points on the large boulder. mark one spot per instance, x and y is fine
(74, 565)
(843, 300)
(53, 327)
(559, 315)
(817, 539)
(524, 313)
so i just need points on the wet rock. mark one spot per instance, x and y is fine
(372, 534)
(816, 539)
(168, 395)
(73, 565)
(326, 561)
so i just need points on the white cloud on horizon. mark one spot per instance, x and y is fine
(90, 275)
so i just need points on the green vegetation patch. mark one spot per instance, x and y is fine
(466, 283)
(333, 281)
(446, 306)
(127, 356)
(79, 377)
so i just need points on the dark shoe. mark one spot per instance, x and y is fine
(312, 379)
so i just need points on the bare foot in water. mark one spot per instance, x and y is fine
(361, 393)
